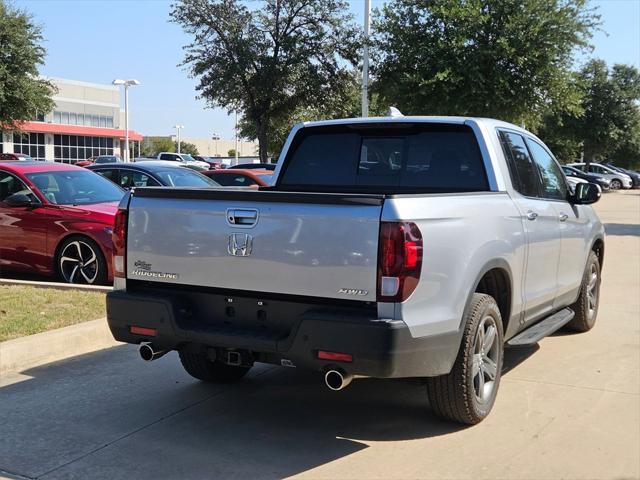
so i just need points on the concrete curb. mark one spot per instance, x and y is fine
(34, 350)
(56, 285)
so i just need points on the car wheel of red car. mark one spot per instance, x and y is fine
(80, 260)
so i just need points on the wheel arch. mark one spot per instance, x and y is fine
(598, 247)
(496, 279)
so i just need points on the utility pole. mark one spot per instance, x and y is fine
(236, 149)
(178, 128)
(365, 59)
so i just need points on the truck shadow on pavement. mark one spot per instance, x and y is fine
(108, 412)
(622, 229)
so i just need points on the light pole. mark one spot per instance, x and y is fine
(178, 128)
(236, 149)
(127, 84)
(365, 59)
(215, 137)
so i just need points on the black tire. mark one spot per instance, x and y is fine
(454, 396)
(92, 270)
(586, 307)
(616, 184)
(199, 366)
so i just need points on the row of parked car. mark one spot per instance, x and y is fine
(606, 176)
(57, 219)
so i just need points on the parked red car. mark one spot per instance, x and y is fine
(57, 219)
(15, 156)
(241, 178)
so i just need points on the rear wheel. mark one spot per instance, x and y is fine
(616, 184)
(199, 366)
(468, 392)
(80, 260)
(586, 307)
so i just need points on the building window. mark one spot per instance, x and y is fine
(71, 148)
(70, 118)
(31, 144)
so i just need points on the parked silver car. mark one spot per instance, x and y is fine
(618, 180)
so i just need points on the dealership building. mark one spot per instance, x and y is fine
(87, 121)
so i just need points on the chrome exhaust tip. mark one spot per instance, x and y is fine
(337, 379)
(148, 352)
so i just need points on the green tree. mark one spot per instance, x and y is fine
(343, 102)
(508, 59)
(152, 146)
(269, 60)
(22, 93)
(611, 119)
(231, 152)
(186, 147)
(607, 126)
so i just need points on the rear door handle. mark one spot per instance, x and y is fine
(563, 217)
(531, 215)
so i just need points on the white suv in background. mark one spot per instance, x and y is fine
(185, 159)
(618, 180)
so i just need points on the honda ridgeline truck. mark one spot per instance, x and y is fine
(387, 247)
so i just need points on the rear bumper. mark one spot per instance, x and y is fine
(383, 349)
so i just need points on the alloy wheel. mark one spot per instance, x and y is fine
(486, 352)
(79, 263)
(592, 290)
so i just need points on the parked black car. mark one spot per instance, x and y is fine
(605, 184)
(152, 174)
(635, 176)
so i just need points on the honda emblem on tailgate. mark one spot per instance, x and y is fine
(240, 244)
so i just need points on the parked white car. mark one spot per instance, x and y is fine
(185, 159)
(618, 179)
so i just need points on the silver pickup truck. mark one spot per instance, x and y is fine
(387, 247)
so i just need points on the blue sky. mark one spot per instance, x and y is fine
(99, 40)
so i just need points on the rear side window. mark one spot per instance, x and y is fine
(523, 172)
(108, 174)
(414, 157)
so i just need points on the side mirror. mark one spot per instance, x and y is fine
(585, 194)
(19, 200)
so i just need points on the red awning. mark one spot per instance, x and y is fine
(42, 127)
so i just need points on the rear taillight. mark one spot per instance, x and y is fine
(119, 238)
(399, 260)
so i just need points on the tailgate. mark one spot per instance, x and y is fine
(311, 244)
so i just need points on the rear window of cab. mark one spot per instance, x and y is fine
(392, 158)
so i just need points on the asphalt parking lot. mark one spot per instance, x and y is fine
(569, 408)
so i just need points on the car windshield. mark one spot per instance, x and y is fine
(188, 158)
(75, 187)
(571, 170)
(183, 177)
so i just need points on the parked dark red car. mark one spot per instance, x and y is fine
(57, 219)
(240, 178)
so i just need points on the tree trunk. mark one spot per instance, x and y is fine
(589, 155)
(262, 142)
